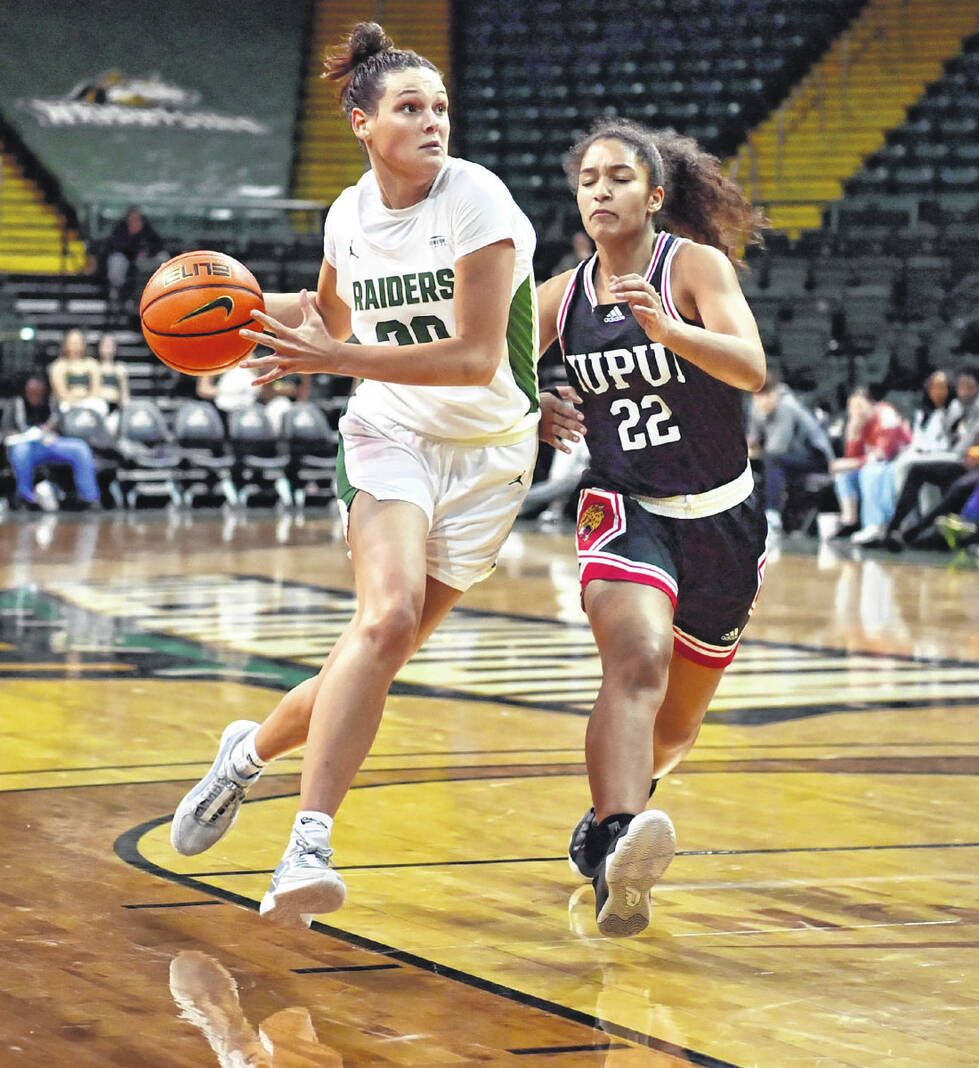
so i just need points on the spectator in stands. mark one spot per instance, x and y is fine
(279, 396)
(962, 427)
(790, 442)
(75, 376)
(230, 391)
(133, 250)
(922, 532)
(581, 249)
(962, 529)
(875, 434)
(30, 432)
(113, 376)
(928, 430)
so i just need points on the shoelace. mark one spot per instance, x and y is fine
(307, 852)
(218, 798)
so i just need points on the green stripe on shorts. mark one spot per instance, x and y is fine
(345, 492)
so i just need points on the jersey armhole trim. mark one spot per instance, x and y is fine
(665, 283)
(562, 314)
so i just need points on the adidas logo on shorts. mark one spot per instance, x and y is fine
(731, 635)
(614, 316)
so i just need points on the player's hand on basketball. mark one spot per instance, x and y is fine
(296, 350)
(645, 303)
(560, 420)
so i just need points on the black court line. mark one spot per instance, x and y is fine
(564, 856)
(531, 1051)
(547, 771)
(463, 611)
(345, 968)
(292, 671)
(206, 761)
(174, 905)
(125, 767)
(270, 771)
(127, 849)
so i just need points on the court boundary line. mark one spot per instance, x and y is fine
(126, 848)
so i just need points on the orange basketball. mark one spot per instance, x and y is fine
(193, 307)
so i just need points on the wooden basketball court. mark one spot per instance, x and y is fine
(822, 908)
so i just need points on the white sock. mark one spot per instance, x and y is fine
(313, 826)
(244, 759)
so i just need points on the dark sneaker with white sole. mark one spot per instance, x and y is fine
(635, 861)
(577, 860)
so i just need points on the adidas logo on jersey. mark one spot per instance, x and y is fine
(731, 635)
(614, 316)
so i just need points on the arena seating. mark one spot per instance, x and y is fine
(536, 76)
(878, 294)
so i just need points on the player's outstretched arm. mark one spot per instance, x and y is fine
(483, 281)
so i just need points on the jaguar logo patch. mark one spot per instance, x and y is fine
(591, 519)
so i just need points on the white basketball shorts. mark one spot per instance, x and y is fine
(471, 494)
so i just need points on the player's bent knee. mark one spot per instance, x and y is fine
(390, 631)
(642, 665)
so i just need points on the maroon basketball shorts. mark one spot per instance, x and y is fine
(710, 568)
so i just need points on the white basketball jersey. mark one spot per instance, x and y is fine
(396, 272)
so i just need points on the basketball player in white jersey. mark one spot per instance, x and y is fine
(428, 263)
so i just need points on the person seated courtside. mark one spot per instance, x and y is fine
(875, 433)
(30, 433)
(789, 440)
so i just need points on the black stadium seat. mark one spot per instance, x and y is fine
(89, 425)
(260, 467)
(199, 431)
(312, 452)
(150, 461)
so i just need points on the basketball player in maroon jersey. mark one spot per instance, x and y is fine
(659, 345)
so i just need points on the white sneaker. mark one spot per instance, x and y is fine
(871, 535)
(207, 996)
(303, 885)
(209, 809)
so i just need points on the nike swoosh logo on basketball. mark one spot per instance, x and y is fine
(227, 303)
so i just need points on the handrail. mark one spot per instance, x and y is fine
(243, 214)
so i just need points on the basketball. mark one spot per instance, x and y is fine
(193, 307)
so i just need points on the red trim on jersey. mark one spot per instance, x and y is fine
(616, 569)
(588, 279)
(657, 252)
(666, 290)
(562, 314)
(661, 575)
(588, 274)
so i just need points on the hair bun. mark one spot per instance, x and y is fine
(368, 39)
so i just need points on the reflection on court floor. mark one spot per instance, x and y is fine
(822, 905)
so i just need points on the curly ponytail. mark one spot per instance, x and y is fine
(362, 61)
(701, 202)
